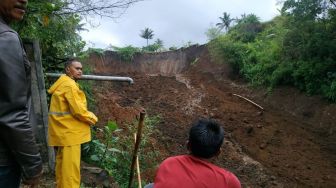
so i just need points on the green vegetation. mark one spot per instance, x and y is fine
(157, 46)
(113, 150)
(195, 61)
(57, 23)
(173, 48)
(213, 33)
(127, 53)
(147, 34)
(86, 86)
(226, 21)
(296, 48)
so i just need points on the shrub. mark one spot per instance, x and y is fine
(113, 152)
(126, 53)
(225, 50)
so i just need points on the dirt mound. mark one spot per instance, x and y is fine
(277, 147)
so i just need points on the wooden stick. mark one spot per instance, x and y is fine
(248, 100)
(136, 147)
(138, 166)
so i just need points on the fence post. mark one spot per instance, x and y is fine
(39, 98)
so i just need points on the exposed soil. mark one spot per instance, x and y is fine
(270, 148)
(274, 147)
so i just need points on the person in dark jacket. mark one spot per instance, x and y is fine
(20, 160)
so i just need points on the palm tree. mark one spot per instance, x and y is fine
(147, 34)
(159, 43)
(225, 21)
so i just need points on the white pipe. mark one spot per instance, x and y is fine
(95, 77)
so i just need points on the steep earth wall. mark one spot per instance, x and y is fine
(167, 63)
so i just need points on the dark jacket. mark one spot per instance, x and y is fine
(17, 141)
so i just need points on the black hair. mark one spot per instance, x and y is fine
(206, 136)
(69, 62)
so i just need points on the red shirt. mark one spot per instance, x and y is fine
(186, 171)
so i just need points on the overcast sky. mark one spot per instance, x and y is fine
(176, 22)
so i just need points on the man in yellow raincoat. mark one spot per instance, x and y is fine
(69, 124)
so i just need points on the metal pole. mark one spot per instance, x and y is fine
(95, 77)
(136, 147)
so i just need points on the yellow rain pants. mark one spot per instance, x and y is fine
(68, 166)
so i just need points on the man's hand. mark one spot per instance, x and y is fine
(140, 110)
(32, 182)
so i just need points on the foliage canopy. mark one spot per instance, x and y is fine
(57, 23)
(296, 48)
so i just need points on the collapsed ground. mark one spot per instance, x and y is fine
(269, 148)
(264, 148)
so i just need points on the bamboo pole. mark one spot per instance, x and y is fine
(248, 100)
(138, 166)
(136, 147)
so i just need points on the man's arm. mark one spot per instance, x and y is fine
(78, 108)
(233, 181)
(15, 129)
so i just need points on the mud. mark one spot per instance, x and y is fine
(281, 146)
(291, 143)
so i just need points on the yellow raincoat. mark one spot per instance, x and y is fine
(69, 118)
(69, 126)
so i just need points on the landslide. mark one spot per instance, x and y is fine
(291, 143)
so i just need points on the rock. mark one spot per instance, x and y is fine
(275, 165)
(326, 177)
(262, 146)
(94, 170)
(274, 183)
(249, 129)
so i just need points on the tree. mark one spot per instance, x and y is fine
(147, 34)
(159, 43)
(225, 22)
(57, 23)
(212, 33)
(111, 8)
(58, 35)
(248, 19)
(172, 48)
(247, 28)
(310, 44)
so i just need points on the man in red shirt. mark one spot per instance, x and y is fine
(195, 170)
